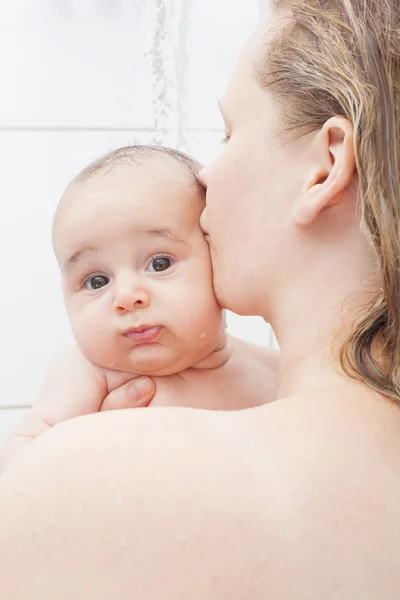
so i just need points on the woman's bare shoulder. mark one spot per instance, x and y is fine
(135, 504)
(203, 504)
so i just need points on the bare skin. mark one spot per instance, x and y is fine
(304, 520)
(77, 387)
(296, 499)
(143, 263)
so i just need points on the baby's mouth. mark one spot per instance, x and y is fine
(143, 335)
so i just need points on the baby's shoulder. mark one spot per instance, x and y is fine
(247, 379)
(246, 355)
(72, 363)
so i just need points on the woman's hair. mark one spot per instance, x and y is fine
(342, 57)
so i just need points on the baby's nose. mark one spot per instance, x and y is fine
(130, 296)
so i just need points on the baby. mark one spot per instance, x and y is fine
(137, 283)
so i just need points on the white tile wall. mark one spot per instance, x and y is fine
(71, 64)
(225, 28)
(9, 420)
(78, 79)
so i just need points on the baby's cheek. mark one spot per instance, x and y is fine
(90, 336)
(203, 320)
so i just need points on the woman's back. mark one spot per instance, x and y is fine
(300, 498)
(297, 499)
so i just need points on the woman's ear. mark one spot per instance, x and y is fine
(332, 172)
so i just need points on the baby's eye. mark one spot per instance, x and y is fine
(159, 264)
(96, 282)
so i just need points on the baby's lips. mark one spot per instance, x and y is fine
(144, 335)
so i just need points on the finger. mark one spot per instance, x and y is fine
(134, 394)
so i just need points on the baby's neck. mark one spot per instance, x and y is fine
(218, 357)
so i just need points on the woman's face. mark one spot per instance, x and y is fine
(251, 188)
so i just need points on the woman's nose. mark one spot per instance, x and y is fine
(131, 295)
(203, 221)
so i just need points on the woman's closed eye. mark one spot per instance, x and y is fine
(95, 282)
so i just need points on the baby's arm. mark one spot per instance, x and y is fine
(73, 387)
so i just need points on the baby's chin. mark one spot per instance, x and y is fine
(152, 359)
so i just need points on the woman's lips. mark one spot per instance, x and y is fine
(143, 335)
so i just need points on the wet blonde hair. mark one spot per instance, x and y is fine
(342, 57)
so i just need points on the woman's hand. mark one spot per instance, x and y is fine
(134, 394)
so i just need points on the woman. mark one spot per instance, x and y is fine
(299, 498)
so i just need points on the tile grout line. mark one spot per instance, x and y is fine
(102, 130)
(12, 407)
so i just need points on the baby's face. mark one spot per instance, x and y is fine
(136, 269)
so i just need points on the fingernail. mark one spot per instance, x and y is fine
(139, 389)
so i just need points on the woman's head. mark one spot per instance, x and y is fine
(312, 114)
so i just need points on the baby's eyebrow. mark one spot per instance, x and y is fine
(82, 252)
(77, 256)
(165, 233)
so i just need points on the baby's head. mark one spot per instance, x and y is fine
(135, 267)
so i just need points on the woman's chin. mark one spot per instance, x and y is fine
(231, 298)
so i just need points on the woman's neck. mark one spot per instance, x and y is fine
(313, 321)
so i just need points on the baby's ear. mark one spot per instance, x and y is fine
(332, 172)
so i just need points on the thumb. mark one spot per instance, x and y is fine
(134, 394)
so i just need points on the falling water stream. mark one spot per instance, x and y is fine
(169, 56)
